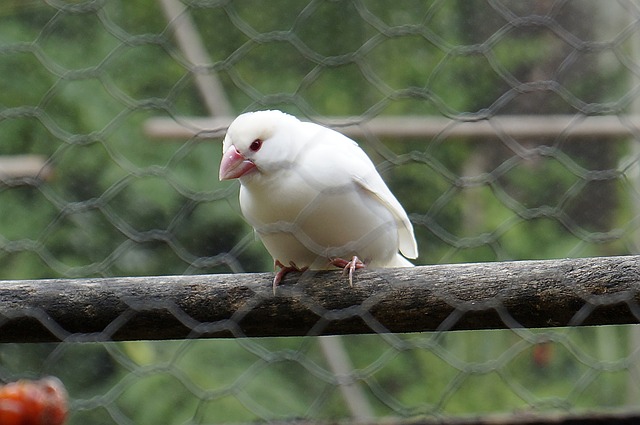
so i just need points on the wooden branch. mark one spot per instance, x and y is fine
(587, 291)
(518, 126)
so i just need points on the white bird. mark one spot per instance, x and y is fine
(313, 196)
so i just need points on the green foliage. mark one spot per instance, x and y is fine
(80, 80)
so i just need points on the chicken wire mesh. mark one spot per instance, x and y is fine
(105, 172)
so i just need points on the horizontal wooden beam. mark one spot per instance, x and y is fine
(24, 166)
(499, 295)
(517, 126)
(629, 416)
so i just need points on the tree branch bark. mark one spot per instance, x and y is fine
(569, 292)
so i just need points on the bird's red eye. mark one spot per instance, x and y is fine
(256, 145)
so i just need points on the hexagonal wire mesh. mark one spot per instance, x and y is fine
(510, 134)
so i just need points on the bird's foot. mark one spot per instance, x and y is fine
(280, 274)
(349, 266)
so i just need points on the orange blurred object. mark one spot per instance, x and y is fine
(42, 402)
(542, 354)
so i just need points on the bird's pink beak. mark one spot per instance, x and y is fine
(234, 164)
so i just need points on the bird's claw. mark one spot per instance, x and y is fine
(350, 266)
(280, 274)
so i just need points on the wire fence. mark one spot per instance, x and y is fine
(507, 130)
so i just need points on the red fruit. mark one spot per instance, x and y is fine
(42, 402)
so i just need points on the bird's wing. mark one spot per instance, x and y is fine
(380, 192)
(349, 161)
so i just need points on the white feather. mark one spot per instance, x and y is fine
(316, 195)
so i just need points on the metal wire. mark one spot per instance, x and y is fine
(82, 79)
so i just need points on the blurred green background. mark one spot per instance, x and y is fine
(81, 78)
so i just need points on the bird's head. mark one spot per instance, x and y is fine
(258, 143)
